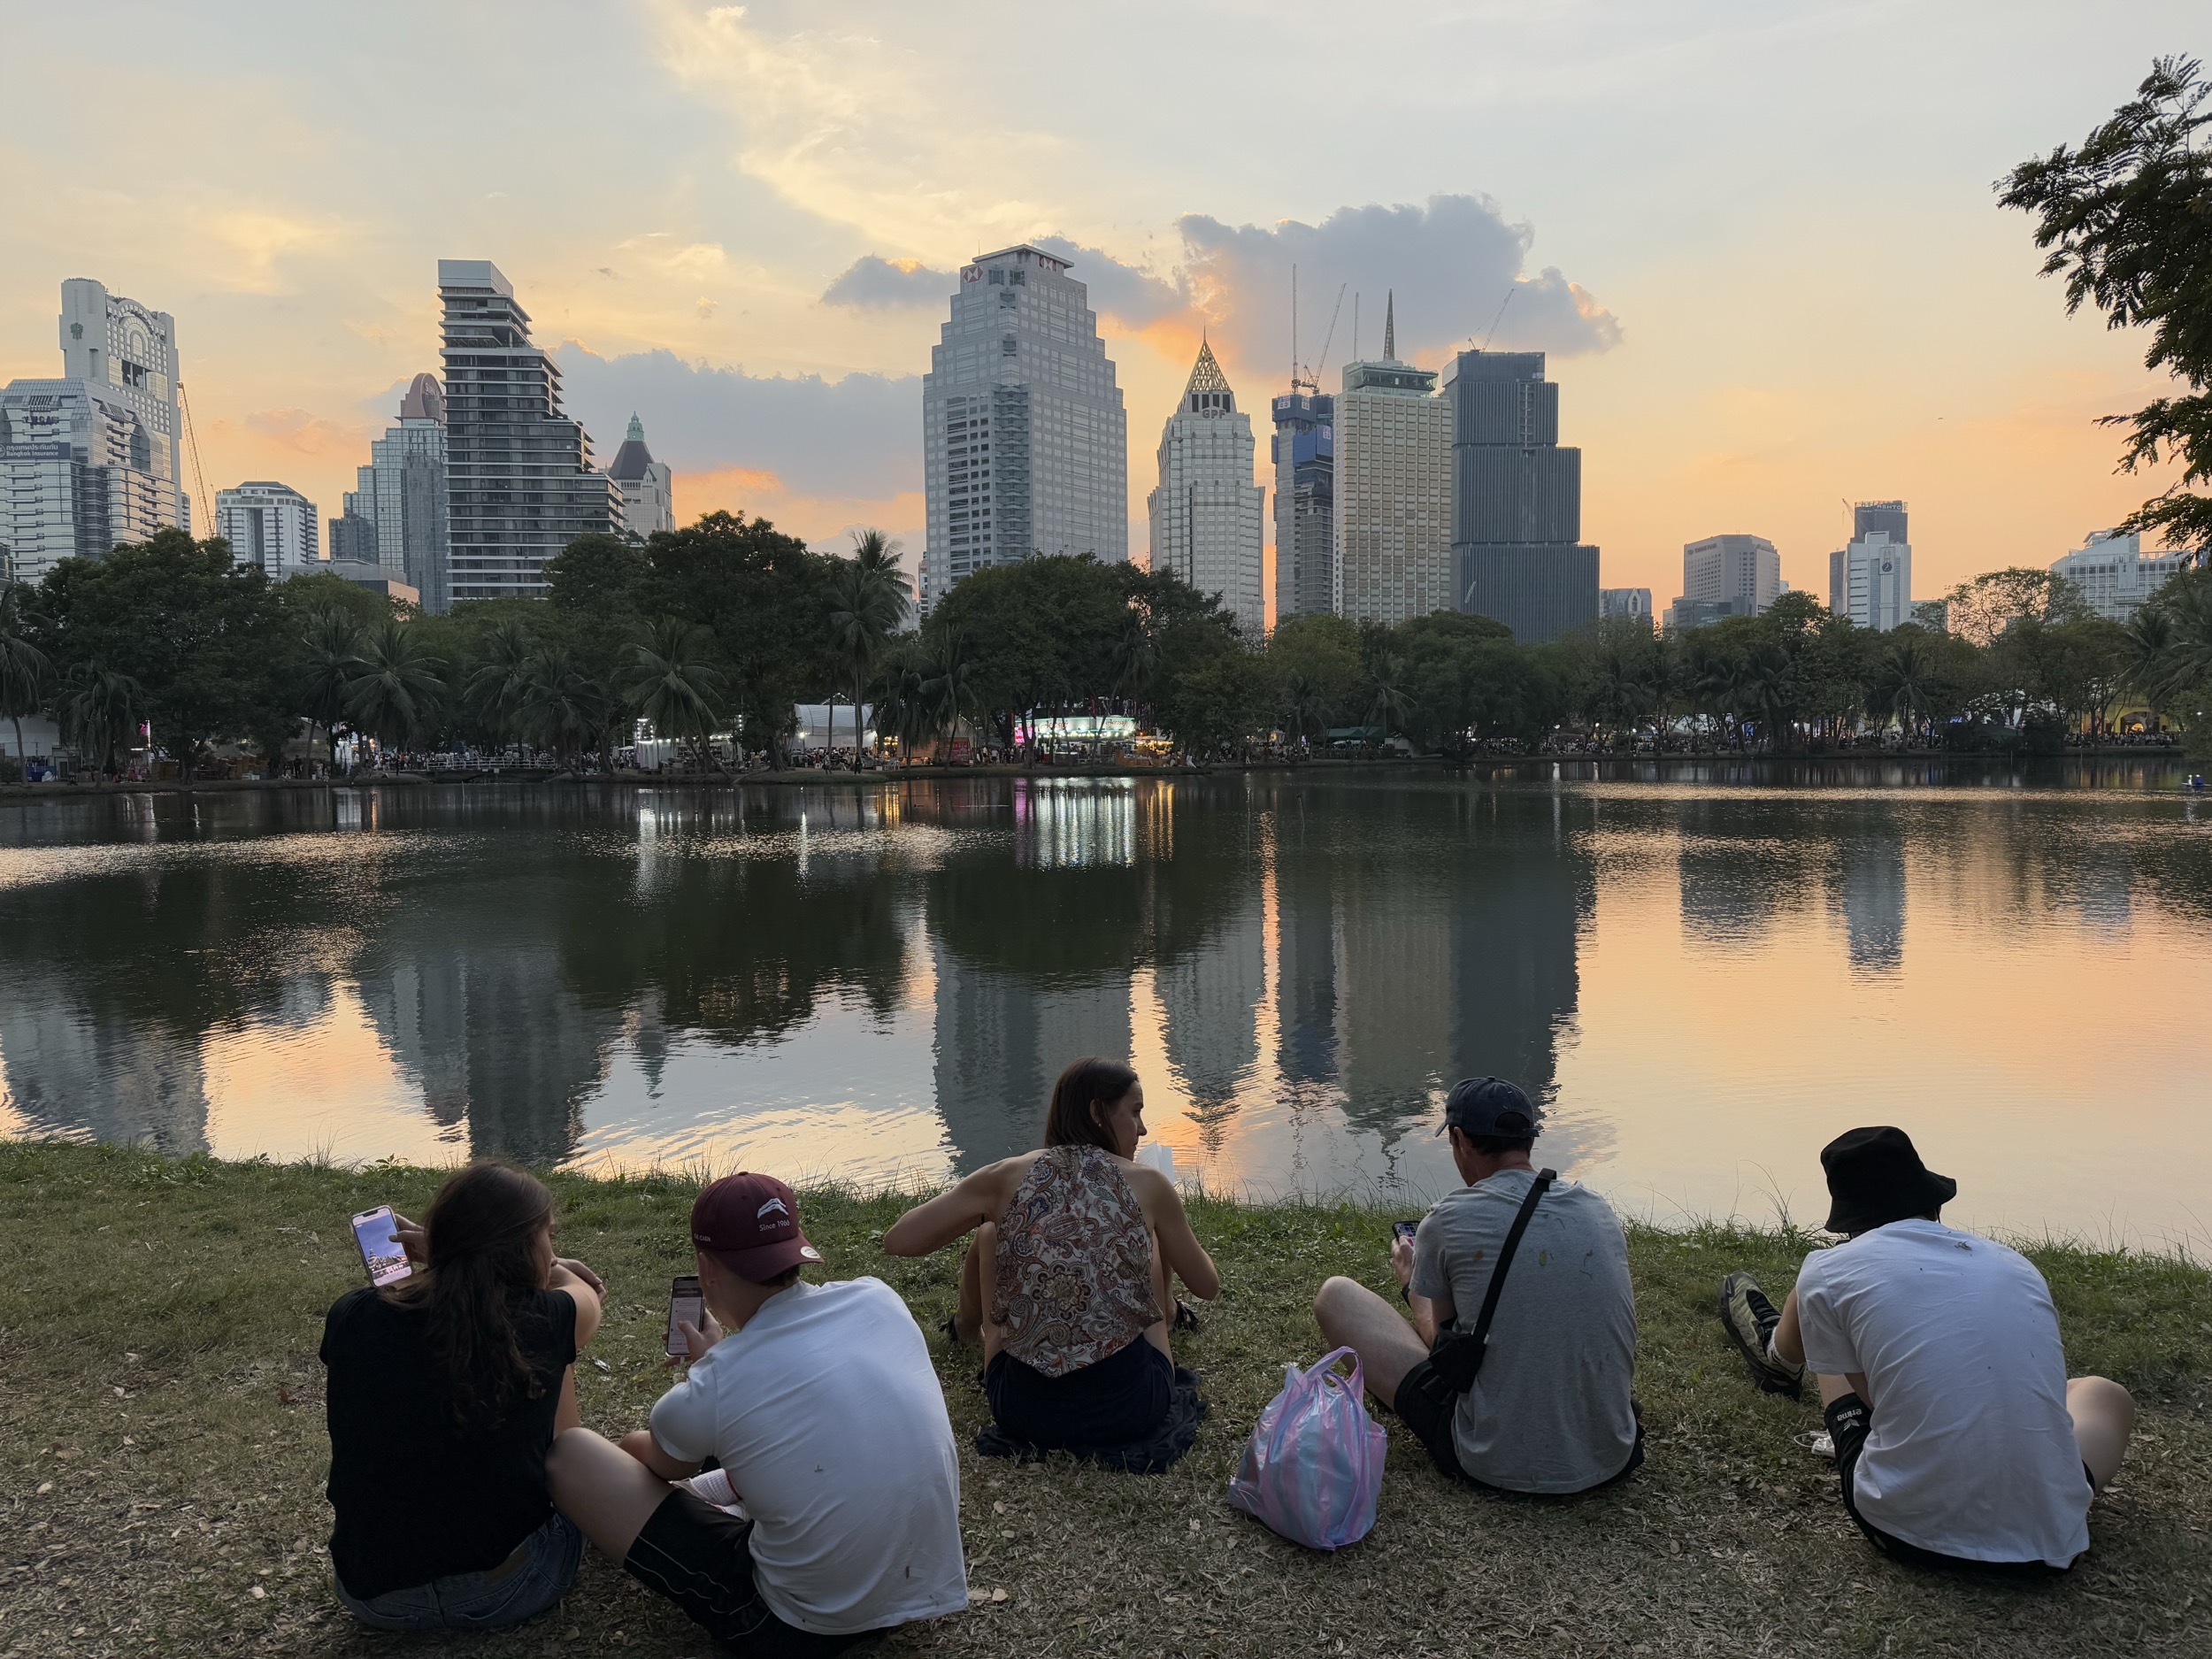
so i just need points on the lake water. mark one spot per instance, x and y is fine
(1704, 972)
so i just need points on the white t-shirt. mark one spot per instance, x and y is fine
(825, 1411)
(1971, 1450)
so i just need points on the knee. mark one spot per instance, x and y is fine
(2102, 1397)
(1331, 1297)
(566, 1459)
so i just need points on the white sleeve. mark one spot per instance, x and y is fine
(683, 1420)
(1828, 1350)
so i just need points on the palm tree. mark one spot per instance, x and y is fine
(397, 690)
(1384, 696)
(1305, 710)
(1765, 684)
(672, 684)
(1900, 688)
(24, 669)
(870, 596)
(332, 658)
(501, 680)
(1136, 659)
(949, 684)
(99, 707)
(902, 707)
(561, 707)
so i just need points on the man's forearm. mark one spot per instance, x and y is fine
(1422, 1311)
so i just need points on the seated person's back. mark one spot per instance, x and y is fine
(1970, 1451)
(1550, 1409)
(1074, 1277)
(825, 1414)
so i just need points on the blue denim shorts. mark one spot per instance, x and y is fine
(511, 1594)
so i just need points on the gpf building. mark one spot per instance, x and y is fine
(1209, 517)
(1024, 442)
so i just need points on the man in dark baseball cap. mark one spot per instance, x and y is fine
(1957, 1436)
(1547, 1407)
(834, 1511)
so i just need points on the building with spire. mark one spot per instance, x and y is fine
(96, 458)
(1209, 517)
(395, 516)
(1393, 528)
(1025, 441)
(1516, 500)
(648, 501)
(520, 486)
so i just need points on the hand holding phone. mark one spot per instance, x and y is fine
(687, 1306)
(1405, 1229)
(376, 1232)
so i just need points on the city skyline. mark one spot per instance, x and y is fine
(1734, 353)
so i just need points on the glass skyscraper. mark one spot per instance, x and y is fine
(519, 481)
(1303, 450)
(1518, 552)
(395, 515)
(1024, 442)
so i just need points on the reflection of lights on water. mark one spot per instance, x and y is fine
(1066, 823)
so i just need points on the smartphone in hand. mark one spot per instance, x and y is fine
(686, 1307)
(382, 1253)
(1405, 1229)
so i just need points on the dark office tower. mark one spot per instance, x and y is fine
(1886, 516)
(1303, 450)
(520, 482)
(1516, 499)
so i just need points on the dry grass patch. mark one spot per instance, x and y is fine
(161, 1435)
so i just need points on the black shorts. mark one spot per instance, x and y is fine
(701, 1558)
(1850, 1423)
(1431, 1422)
(1118, 1401)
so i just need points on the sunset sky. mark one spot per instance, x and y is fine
(1758, 238)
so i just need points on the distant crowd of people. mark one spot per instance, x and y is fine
(797, 1490)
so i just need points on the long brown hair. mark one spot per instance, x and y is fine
(483, 1228)
(1070, 1121)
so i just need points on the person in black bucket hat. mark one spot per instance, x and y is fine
(1959, 1440)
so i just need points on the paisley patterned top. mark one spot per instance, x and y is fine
(1074, 1263)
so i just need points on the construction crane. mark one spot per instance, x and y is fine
(1310, 380)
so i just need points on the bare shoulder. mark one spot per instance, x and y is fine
(1155, 1192)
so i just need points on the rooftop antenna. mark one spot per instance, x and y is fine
(1390, 328)
(1355, 356)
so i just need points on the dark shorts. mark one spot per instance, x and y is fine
(1850, 1423)
(1119, 1401)
(1431, 1422)
(701, 1558)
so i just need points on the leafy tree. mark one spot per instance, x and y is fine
(673, 683)
(330, 658)
(869, 600)
(204, 638)
(1314, 661)
(98, 710)
(564, 709)
(1981, 608)
(2127, 219)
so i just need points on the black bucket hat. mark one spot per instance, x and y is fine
(1875, 1176)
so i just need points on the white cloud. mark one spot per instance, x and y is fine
(1453, 263)
(874, 284)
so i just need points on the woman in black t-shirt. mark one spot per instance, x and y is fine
(445, 1392)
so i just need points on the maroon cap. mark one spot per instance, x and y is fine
(750, 1224)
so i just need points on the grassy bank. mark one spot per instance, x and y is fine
(163, 1450)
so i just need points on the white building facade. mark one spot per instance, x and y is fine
(2115, 575)
(95, 459)
(270, 526)
(649, 497)
(1742, 571)
(1025, 441)
(1394, 492)
(1209, 517)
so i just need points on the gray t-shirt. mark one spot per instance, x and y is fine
(1550, 1410)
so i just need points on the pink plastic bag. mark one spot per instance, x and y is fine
(1314, 1470)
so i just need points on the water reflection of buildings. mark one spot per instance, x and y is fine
(1209, 998)
(119, 1080)
(1871, 892)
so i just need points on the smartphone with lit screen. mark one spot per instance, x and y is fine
(382, 1253)
(1405, 1229)
(686, 1307)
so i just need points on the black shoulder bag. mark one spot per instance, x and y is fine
(1458, 1355)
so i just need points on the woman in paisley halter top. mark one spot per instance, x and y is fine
(1069, 1282)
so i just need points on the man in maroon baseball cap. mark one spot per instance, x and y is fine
(834, 1511)
(750, 1224)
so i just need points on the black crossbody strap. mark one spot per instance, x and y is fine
(1481, 1335)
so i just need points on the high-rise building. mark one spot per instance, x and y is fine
(1394, 490)
(1518, 552)
(95, 459)
(1871, 581)
(2115, 575)
(270, 526)
(648, 499)
(1303, 451)
(1025, 443)
(395, 515)
(520, 485)
(1209, 517)
(1625, 604)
